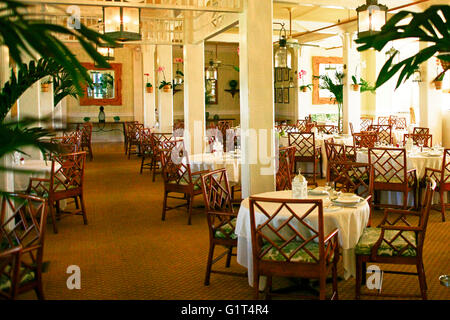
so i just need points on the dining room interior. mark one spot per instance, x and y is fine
(224, 149)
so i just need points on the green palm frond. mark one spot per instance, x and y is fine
(22, 33)
(63, 86)
(432, 26)
(335, 86)
(14, 135)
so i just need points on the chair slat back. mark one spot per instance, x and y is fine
(389, 164)
(86, 134)
(421, 130)
(67, 172)
(300, 224)
(384, 132)
(175, 163)
(365, 140)
(425, 139)
(304, 144)
(352, 177)
(401, 123)
(285, 168)
(327, 128)
(366, 123)
(384, 120)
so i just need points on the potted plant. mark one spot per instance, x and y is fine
(336, 88)
(86, 119)
(116, 118)
(301, 77)
(355, 84)
(148, 85)
(164, 84)
(438, 81)
(45, 85)
(305, 87)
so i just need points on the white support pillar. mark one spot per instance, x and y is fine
(46, 103)
(148, 66)
(431, 100)
(165, 99)
(351, 108)
(194, 91)
(138, 85)
(6, 178)
(369, 73)
(256, 92)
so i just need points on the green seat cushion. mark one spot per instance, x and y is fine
(382, 179)
(5, 282)
(224, 231)
(300, 256)
(371, 235)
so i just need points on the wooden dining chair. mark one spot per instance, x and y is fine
(301, 125)
(146, 141)
(306, 152)
(365, 123)
(22, 232)
(157, 141)
(421, 130)
(425, 139)
(134, 131)
(364, 140)
(67, 144)
(400, 123)
(285, 170)
(86, 137)
(384, 133)
(221, 220)
(327, 128)
(178, 177)
(391, 174)
(66, 182)
(353, 177)
(286, 243)
(126, 127)
(397, 240)
(442, 178)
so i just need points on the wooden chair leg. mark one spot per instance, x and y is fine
(77, 205)
(83, 208)
(190, 202)
(268, 288)
(256, 286)
(422, 281)
(163, 216)
(38, 289)
(405, 200)
(335, 280)
(142, 164)
(154, 163)
(441, 194)
(209, 264)
(323, 286)
(230, 252)
(91, 155)
(51, 209)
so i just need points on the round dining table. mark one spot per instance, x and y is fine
(231, 161)
(350, 221)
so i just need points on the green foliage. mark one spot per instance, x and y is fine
(23, 34)
(149, 85)
(164, 83)
(355, 81)
(365, 86)
(63, 86)
(233, 83)
(432, 26)
(309, 86)
(336, 88)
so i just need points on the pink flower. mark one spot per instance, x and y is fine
(178, 60)
(160, 69)
(147, 74)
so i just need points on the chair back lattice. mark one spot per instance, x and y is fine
(327, 128)
(443, 176)
(389, 164)
(286, 163)
(157, 139)
(384, 120)
(400, 123)
(352, 177)
(366, 123)
(365, 140)
(146, 141)
(384, 132)
(175, 163)
(22, 227)
(134, 131)
(421, 130)
(304, 143)
(287, 229)
(219, 209)
(70, 141)
(425, 139)
(86, 134)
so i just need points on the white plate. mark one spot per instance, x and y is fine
(318, 191)
(348, 200)
(331, 208)
(434, 154)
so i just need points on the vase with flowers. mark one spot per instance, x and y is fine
(301, 77)
(165, 85)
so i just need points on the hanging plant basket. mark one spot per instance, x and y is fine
(149, 89)
(438, 85)
(355, 87)
(45, 87)
(305, 89)
(167, 88)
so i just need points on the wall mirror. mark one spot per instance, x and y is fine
(322, 66)
(106, 86)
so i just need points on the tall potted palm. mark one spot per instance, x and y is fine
(336, 88)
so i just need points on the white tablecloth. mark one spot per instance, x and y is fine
(350, 222)
(212, 161)
(319, 140)
(40, 168)
(414, 160)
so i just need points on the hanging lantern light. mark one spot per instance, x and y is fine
(283, 57)
(122, 23)
(371, 18)
(107, 51)
(211, 71)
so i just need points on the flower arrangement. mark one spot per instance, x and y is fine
(301, 76)
(164, 84)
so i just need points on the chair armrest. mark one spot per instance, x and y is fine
(402, 213)
(331, 235)
(411, 170)
(401, 228)
(28, 249)
(220, 213)
(39, 179)
(199, 172)
(10, 252)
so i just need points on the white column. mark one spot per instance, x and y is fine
(138, 85)
(256, 92)
(148, 66)
(431, 100)
(46, 103)
(194, 91)
(6, 178)
(165, 99)
(351, 108)
(369, 73)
